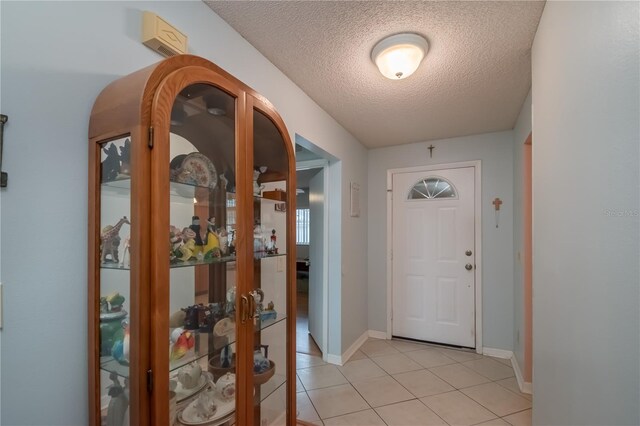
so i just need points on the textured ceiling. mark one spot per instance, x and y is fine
(473, 80)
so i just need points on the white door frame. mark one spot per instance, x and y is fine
(323, 164)
(478, 238)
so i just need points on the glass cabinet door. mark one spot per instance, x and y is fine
(202, 258)
(270, 175)
(115, 280)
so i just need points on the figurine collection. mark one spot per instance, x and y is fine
(197, 244)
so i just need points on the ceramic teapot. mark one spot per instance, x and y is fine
(226, 386)
(189, 376)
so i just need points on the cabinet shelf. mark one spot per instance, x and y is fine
(181, 264)
(206, 344)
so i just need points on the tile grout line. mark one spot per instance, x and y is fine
(411, 393)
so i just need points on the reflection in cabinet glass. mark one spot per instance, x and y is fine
(190, 277)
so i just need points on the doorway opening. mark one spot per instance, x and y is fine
(312, 216)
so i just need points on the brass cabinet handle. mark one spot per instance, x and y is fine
(244, 308)
(252, 306)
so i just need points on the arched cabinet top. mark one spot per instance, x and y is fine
(127, 101)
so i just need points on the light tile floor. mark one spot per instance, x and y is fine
(393, 382)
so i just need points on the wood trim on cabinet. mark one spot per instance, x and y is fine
(93, 295)
(262, 105)
(244, 220)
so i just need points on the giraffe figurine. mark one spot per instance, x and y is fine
(110, 241)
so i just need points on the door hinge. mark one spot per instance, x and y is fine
(149, 381)
(151, 137)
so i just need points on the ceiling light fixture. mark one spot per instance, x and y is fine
(398, 56)
(214, 106)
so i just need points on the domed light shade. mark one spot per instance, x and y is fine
(399, 56)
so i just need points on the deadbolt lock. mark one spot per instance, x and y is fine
(468, 266)
(468, 253)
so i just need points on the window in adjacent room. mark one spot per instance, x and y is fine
(302, 226)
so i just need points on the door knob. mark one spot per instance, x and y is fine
(468, 267)
(468, 253)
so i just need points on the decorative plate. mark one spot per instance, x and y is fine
(224, 327)
(195, 169)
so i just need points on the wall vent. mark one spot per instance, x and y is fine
(161, 36)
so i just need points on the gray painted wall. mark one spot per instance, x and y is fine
(520, 134)
(586, 273)
(56, 57)
(496, 152)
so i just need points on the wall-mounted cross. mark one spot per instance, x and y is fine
(497, 202)
(430, 148)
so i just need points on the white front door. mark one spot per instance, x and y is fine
(433, 270)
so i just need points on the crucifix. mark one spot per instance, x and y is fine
(430, 148)
(497, 203)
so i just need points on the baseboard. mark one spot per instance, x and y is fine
(334, 359)
(525, 387)
(497, 353)
(342, 359)
(377, 334)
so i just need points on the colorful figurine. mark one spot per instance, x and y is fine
(269, 313)
(115, 300)
(110, 241)
(187, 250)
(120, 349)
(175, 242)
(182, 345)
(271, 248)
(195, 227)
(211, 248)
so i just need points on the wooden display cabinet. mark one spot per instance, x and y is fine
(191, 251)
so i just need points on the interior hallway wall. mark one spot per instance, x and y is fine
(586, 224)
(495, 150)
(520, 133)
(56, 57)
